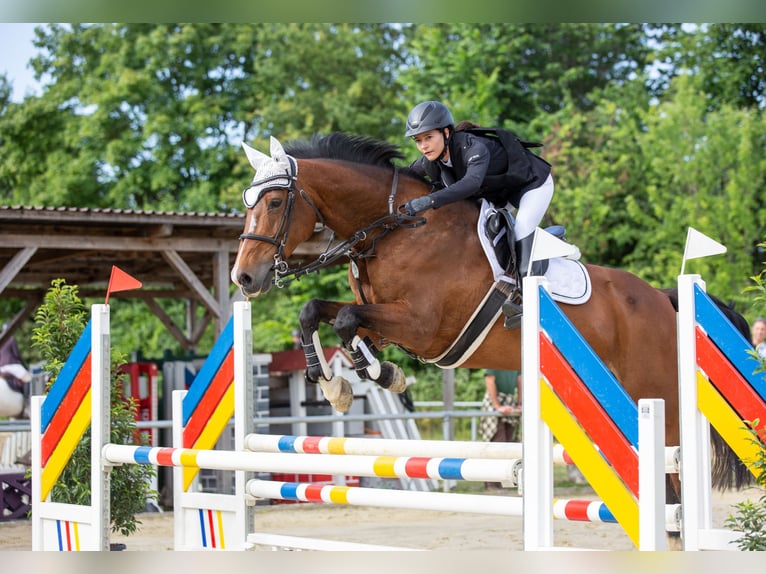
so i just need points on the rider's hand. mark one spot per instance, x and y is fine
(418, 204)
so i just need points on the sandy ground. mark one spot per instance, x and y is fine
(392, 527)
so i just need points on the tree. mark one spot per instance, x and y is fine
(728, 58)
(508, 74)
(146, 116)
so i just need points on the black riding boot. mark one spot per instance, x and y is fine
(512, 308)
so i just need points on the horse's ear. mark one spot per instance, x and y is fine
(277, 152)
(256, 158)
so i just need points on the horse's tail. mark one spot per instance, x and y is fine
(727, 470)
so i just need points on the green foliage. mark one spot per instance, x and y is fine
(650, 129)
(429, 385)
(750, 517)
(60, 321)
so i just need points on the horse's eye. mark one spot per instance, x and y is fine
(275, 203)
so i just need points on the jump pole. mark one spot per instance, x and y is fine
(397, 447)
(643, 517)
(717, 386)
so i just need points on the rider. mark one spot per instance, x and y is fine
(459, 162)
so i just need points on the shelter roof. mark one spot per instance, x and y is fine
(178, 255)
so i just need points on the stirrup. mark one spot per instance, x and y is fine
(513, 313)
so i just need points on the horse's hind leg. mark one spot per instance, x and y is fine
(385, 374)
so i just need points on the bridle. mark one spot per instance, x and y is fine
(283, 273)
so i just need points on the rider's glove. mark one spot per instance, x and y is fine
(418, 204)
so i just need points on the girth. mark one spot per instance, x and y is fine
(477, 327)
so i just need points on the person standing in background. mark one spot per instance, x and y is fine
(502, 398)
(758, 333)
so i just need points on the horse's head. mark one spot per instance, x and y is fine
(276, 223)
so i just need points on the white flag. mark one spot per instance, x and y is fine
(547, 246)
(700, 245)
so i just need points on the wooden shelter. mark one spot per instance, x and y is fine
(175, 255)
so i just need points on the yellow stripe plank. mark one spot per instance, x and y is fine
(212, 431)
(384, 466)
(336, 445)
(602, 477)
(65, 447)
(727, 422)
(339, 494)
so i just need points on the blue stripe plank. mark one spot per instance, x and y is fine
(208, 370)
(202, 531)
(728, 339)
(141, 455)
(289, 490)
(589, 367)
(65, 378)
(605, 514)
(286, 443)
(451, 468)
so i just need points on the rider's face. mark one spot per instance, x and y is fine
(430, 144)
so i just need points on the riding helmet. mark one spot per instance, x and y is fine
(428, 116)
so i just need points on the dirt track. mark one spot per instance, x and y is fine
(391, 527)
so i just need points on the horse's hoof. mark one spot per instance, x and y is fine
(394, 375)
(338, 392)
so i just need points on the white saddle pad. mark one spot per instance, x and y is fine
(569, 280)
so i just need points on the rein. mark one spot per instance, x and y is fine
(283, 273)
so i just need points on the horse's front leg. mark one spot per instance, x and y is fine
(348, 322)
(336, 389)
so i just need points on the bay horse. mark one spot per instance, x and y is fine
(418, 280)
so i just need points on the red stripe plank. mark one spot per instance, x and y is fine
(165, 456)
(595, 421)
(208, 403)
(65, 412)
(311, 444)
(211, 526)
(416, 467)
(727, 379)
(577, 510)
(314, 492)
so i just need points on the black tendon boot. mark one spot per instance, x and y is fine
(512, 308)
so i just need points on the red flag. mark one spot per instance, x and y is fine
(120, 281)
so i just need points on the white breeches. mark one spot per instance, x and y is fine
(532, 207)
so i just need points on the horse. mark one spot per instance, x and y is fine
(418, 280)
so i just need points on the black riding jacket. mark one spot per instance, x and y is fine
(480, 169)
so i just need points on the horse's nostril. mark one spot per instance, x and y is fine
(245, 280)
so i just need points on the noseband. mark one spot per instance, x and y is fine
(283, 274)
(286, 182)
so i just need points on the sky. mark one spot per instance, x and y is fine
(16, 50)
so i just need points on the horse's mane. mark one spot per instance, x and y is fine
(338, 145)
(348, 147)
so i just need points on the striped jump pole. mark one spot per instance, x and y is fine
(357, 465)
(569, 393)
(718, 386)
(400, 447)
(563, 509)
